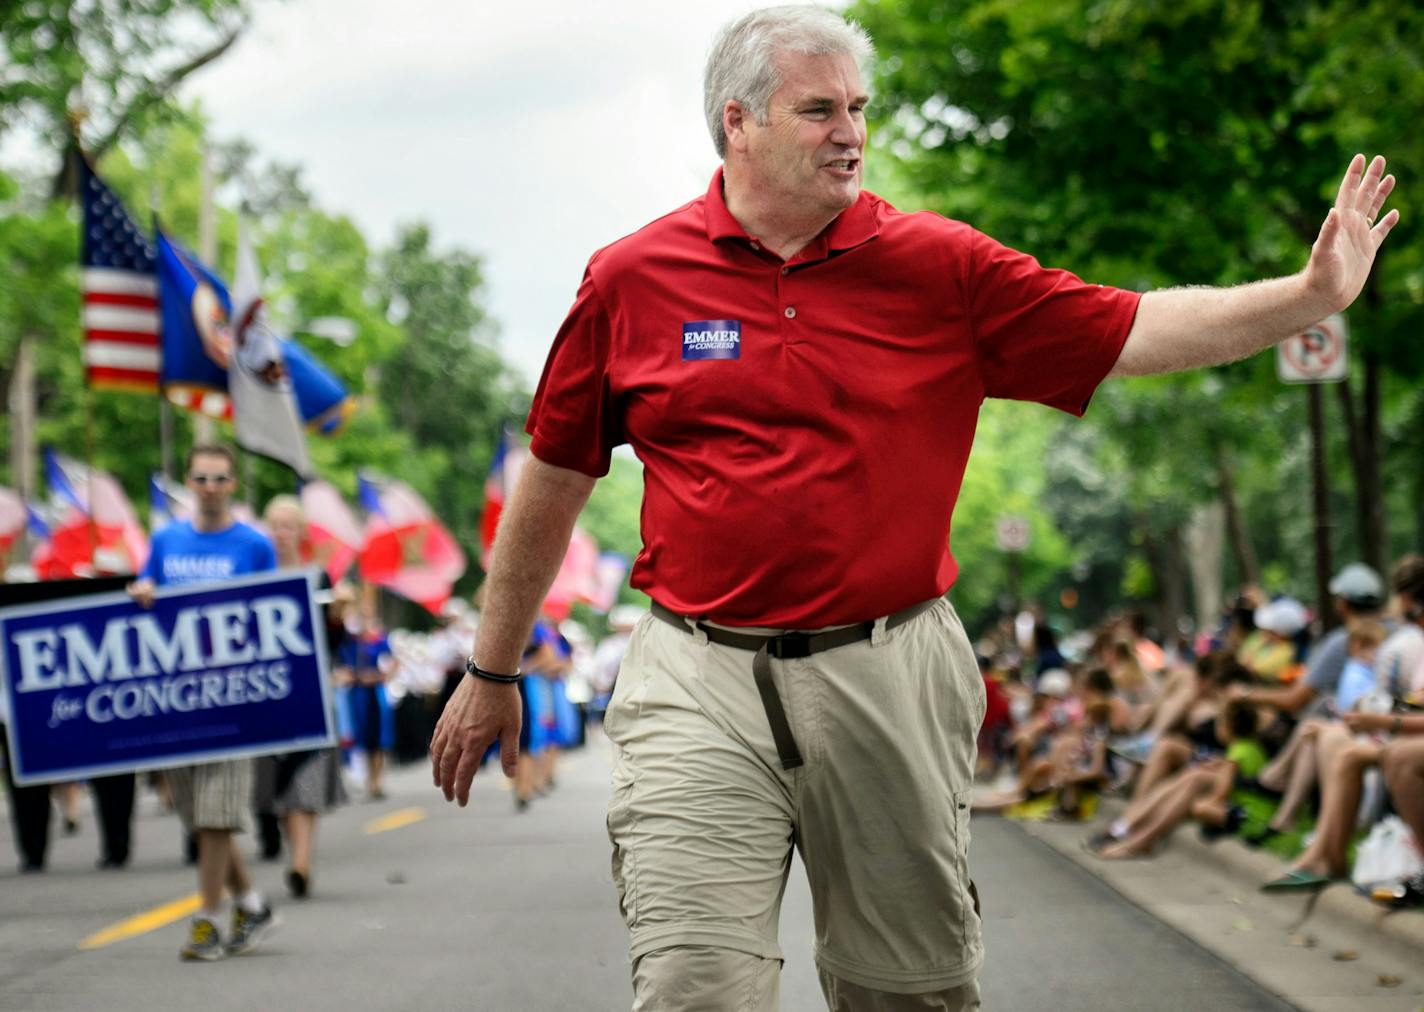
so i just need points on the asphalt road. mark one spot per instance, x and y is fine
(419, 905)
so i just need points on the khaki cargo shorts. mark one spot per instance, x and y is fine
(213, 795)
(703, 818)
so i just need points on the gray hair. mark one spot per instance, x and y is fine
(742, 65)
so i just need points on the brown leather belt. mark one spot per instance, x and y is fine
(784, 646)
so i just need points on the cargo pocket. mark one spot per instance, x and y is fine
(968, 893)
(620, 832)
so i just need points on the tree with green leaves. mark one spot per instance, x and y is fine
(1149, 146)
(102, 71)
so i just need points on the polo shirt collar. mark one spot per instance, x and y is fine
(855, 225)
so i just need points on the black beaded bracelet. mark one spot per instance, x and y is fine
(471, 668)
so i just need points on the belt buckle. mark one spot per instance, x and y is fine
(789, 646)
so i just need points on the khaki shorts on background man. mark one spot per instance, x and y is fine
(213, 795)
(703, 818)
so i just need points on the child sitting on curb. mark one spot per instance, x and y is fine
(1202, 791)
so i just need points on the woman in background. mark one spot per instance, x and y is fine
(299, 786)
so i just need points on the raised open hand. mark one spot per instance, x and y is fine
(1344, 252)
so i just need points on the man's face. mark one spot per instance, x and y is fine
(212, 482)
(810, 151)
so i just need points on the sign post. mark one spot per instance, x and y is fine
(1013, 536)
(1319, 355)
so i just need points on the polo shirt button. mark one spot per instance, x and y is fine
(791, 312)
(786, 270)
(756, 245)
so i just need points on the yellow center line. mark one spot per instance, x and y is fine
(395, 820)
(142, 924)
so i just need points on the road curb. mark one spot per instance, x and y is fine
(1402, 930)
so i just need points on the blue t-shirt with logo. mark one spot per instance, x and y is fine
(181, 554)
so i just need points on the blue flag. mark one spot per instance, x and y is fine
(198, 344)
(197, 339)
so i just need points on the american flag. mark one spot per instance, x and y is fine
(120, 283)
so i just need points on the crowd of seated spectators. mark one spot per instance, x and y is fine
(1312, 748)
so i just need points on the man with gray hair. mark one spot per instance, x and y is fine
(800, 366)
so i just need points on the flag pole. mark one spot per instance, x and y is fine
(76, 153)
(165, 410)
(204, 428)
(89, 478)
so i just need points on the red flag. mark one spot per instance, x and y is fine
(509, 457)
(577, 579)
(406, 548)
(98, 531)
(333, 534)
(14, 518)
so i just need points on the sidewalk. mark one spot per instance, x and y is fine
(1331, 952)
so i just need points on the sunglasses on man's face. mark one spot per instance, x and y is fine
(210, 479)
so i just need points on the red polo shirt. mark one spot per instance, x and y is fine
(804, 425)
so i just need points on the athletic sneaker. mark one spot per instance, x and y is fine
(248, 930)
(203, 941)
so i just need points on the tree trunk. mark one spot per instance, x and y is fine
(1321, 496)
(1165, 556)
(1363, 435)
(1246, 563)
(1205, 537)
(1419, 472)
(1376, 535)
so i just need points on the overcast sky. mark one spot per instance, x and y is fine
(530, 134)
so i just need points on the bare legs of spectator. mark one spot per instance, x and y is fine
(1402, 762)
(1199, 792)
(1168, 756)
(219, 864)
(1293, 772)
(1036, 776)
(1344, 764)
(1178, 694)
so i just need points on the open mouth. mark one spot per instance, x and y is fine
(847, 165)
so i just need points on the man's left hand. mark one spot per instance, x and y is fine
(1344, 252)
(480, 712)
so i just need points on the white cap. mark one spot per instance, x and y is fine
(1054, 682)
(1284, 617)
(1359, 585)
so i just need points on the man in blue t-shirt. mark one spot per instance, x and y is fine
(212, 799)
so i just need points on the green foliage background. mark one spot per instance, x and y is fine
(1152, 144)
(1136, 143)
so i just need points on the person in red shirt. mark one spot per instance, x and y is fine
(799, 366)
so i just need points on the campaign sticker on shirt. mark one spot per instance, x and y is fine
(711, 339)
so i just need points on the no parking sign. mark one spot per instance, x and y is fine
(1320, 355)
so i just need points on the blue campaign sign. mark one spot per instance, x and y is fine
(98, 685)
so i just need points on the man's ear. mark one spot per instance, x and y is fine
(735, 120)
